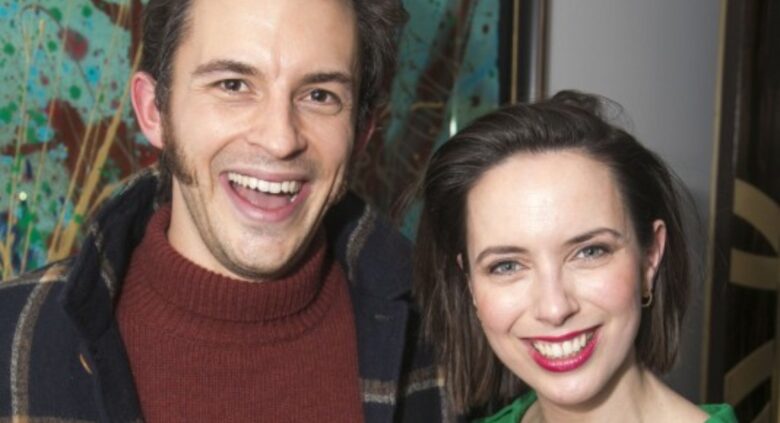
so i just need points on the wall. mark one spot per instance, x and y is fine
(658, 59)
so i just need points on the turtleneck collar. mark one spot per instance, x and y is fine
(173, 291)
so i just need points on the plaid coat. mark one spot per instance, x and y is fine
(62, 357)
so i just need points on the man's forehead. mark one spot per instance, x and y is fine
(289, 30)
(336, 14)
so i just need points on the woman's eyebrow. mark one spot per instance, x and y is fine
(594, 233)
(499, 249)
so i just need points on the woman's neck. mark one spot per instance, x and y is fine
(632, 395)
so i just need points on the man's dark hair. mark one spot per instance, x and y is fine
(379, 22)
(570, 121)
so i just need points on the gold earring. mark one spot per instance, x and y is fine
(647, 300)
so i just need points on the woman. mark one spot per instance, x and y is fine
(551, 250)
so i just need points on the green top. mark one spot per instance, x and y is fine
(719, 413)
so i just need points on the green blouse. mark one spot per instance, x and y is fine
(719, 413)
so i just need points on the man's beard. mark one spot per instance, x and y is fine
(172, 161)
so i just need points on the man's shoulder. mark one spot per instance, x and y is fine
(52, 273)
(40, 349)
(375, 255)
(29, 307)
(32, 297)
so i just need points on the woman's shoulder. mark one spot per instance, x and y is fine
(719, 413)
(513, 412)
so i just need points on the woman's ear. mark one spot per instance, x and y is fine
(653, 256)
(142, 94)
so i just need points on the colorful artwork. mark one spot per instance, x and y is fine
(66, 132)
(68, 136)
(447, 76)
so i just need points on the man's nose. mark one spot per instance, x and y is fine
(555, 301)
(277, 129)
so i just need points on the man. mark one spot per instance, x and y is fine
(252, 295)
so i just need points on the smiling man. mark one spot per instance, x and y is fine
(237, 281)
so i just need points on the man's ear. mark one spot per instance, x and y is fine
(144, 103)
(361, 139)
(654, 255)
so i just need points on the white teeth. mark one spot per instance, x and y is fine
(567, 348)
(557, 350)
(262, 186)
(285, 187)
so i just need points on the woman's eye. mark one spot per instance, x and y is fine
(233, 85)
(504, 267)
(592, 252)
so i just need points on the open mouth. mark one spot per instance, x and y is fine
(564, 353)
(263, 194)
(565, 349)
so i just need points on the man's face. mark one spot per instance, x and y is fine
(260, 123)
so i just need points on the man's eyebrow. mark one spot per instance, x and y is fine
(593, 233)
(223, 65)
(321, 77)
(499, 249)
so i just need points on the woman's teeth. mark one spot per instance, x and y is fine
(557, 350)
(267, 187)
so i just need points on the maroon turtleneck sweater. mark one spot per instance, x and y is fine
(204, 347)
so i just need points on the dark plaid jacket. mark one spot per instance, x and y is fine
(62, 357)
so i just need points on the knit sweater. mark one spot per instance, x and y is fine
(204, 347)
(62, 357)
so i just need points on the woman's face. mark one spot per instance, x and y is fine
(556, 272)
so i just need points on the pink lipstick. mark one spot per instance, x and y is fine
(563, 353)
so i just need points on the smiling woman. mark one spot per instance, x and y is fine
(551, 250)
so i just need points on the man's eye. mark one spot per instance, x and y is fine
(505, 267)
(233, 85)
(321, 101)
(322, 96)
(592, 252)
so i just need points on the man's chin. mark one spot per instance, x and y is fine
(259, 272)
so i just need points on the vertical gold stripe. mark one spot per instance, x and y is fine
(541, 53)
(515, 50)
(710, 270)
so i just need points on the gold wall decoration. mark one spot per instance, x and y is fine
(761, 272)
(741, 358)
